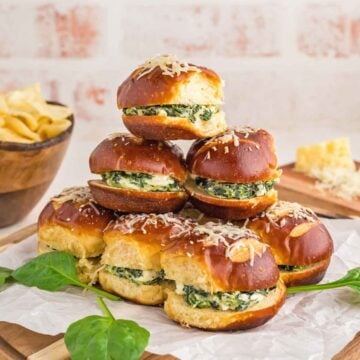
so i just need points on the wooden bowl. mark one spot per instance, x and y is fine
(26, 171)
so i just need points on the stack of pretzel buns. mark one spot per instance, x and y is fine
(203, 235)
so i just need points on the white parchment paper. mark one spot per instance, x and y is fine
(309, 326)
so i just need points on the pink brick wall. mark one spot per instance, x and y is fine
(288, 64)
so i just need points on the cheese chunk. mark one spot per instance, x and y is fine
(327, 154)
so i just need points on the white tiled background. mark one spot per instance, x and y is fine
(292, 67)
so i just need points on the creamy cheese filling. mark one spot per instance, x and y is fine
(141, 181)
(224, 301)
(228, 190)
(192, 112)
(137, 276)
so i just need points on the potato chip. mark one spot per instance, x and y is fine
(25, 116)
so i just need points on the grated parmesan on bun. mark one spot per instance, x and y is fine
(168, 99)
(138, 175)
(225, 278)
(73, 222)
(131, 261)
(300, 243)
(232, 175)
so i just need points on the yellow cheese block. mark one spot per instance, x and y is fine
(327, 154)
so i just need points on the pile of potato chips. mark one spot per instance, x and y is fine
(26, 117)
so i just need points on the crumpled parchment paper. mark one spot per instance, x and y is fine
(313, 325)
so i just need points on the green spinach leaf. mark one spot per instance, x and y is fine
(103, 337)
(5, 275)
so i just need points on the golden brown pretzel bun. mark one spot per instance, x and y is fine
(125, 152)
(164, 80)
(215, 320)
(162, 127)
(74, 222)
(236, 156)
(239, 156)
(198, 86)
(134, 242)
(297, 238)
(221, 258)
(126, 200)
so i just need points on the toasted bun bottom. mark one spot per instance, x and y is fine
(311, 275)
(229, 209)
(81, 244)
(141, 294)
(162, 127)
(209, 319)
(87, 269)
(125, 200)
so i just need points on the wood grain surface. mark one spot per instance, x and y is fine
(298, 187)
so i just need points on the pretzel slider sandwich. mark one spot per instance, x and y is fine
(232, 175)
(168, 99)
(226, 279)
(138, 175)
(74, 222)
(131, 261)
(300, 243)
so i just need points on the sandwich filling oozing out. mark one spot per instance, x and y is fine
(224, 301)
(192, 112)
(137, 276)
(228, 190)
(141, 181)
(293, 268)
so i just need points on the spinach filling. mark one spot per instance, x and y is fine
(141, 181)
(137, 276)
(292, 268)
(235, 191)
(234, 301)
(191, 112)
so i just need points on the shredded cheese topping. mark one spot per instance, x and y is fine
(127, 223)
(76, 194)
(232, 237)
(281, 209)
(170, 65)
(342, 182)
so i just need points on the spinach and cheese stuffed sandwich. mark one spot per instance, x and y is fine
(225, 278)
(232, 175)
(131, 260)
(301, 244)
(138, 175)
(168, 99)
(73, 222)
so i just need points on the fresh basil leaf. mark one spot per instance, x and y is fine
(50, 271)
(5, 274)
(96, 337)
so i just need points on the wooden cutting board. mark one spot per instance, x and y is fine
(297, 187)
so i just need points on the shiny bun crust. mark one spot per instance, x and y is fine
(124, 152)
(311, 275)
(294, 241)
(188, 261)
(126, 200)
(140, 294)
(188, 88)
(135, 240)
(236, 156)
(228, 209)
(162, 127)
(74, 227)
(86, 268)
(215, 320)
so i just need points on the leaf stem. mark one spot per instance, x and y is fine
(99, 292)
(331, 285)
(105, 310)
